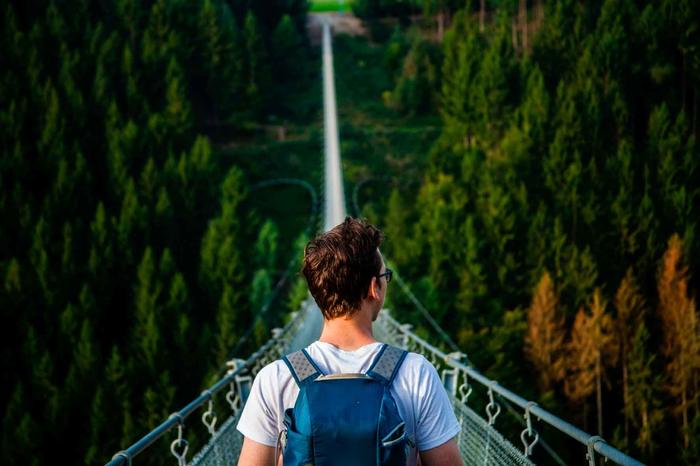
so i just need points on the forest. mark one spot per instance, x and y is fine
(126, 236)
(533, 165)
(555, 230)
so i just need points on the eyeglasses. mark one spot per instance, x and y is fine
(388, 273)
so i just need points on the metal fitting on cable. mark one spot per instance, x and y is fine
(232, 398)
(529, 431)
(492, 415)
(123, 454)
(233, 365)
(208, 417)
(465, 389)
(179, 442)
(590, 455)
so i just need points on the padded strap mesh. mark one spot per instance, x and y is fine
(301, 366)
(386, 365)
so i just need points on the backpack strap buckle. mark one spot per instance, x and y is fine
(386, 365)
(302, 367)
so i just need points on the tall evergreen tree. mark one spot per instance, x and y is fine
(544, 340)
(630, 307)
(643, 400)
(681, 338)
(257, 76)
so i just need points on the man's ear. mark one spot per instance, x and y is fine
(374, 287)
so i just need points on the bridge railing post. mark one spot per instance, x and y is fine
(450, 376)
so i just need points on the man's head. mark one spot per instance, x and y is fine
(341, 265)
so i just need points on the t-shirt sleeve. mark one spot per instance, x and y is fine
(437, 422)
(258, 421)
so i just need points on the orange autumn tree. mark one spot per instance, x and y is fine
(681, 340)
(630, 307)
(544, 341)
(593, 348)
(579, 383)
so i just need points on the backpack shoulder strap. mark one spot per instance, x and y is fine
(302, 367)
(387, 363)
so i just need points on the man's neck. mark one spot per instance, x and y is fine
(348, 334)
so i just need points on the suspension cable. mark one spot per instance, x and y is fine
(453, 346)
(285, 276)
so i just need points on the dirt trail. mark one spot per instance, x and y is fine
(345, 23)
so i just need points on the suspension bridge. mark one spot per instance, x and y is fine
(480, 441)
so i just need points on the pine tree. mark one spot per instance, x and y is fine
(18, 435)
(159, 40)
(472, 278)
(135, 101)
(621, 211)
(563, 166)
(257, 74)
(415, 87)
(85, 353)
(630, 307)
(462, 49)
(176, 311)
(580, 382)
(157, 401)
(643, 389)
(266, 247)
(221, 266)
(681, 332)
(73, 95)
(220, 257)
(299, 290)
(556, 45)
(670, 144)
(132, 221)
(592, 349)
(227, 334)
(117, 396)
(39, 258)
(101, 251)
(544, 340)
(229, 80)
(397, 231)
(51, 139)
(210, 38)
(98, 422)
(535, 110)
(148, 182)
(494, 88)
(177, 112)
(287, 53)
(118, 161)
(441, 210)
(260, 291)
(146, 336)
(605, 347)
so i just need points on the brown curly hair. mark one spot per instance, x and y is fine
(339, 266)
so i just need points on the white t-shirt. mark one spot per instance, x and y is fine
(419, 394)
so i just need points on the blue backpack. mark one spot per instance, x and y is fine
(345, 419)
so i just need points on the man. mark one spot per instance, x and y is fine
(348, 279)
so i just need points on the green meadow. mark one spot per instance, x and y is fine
(322, 6)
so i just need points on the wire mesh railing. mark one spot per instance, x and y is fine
(479, 441)
(225, 442)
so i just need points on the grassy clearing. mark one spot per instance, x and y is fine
(262, 158)
(322, 6)
(376, 142)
